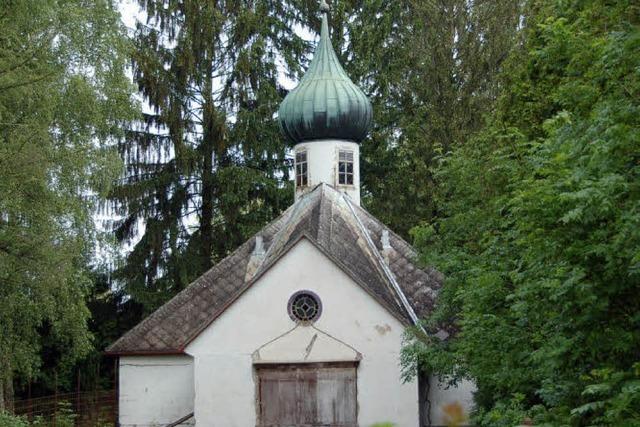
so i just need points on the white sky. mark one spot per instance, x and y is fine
(130, 12)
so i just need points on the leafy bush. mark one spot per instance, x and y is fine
(539, 234)
(613, 397)
(8, 420)
(64, 418)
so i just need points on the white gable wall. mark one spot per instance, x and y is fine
(154, 390)
(224, 353)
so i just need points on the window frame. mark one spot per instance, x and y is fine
(301, 168)
(346, 175)
(294, 299)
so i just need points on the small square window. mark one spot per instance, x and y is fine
(302, 175)
(345, 167)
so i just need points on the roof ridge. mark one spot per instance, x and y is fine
(326, 217)
(384, 266)
(279, 239)
(361, 232)
(370, 216)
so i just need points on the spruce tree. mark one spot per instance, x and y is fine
(207, 167)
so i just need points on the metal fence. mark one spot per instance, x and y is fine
(81, 409)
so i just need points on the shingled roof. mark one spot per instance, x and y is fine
(378, 260)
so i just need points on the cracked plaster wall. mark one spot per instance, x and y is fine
(154, 390)
(352, 326)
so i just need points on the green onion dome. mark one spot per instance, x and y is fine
(326, 104)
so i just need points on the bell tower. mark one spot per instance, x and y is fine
(326, 117)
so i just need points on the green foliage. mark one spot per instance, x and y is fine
(63, 96)
(8, 420)
(540, 229)
(430, 70)
(64, 417)
(506, 413)
(613, 397)
(206, 168)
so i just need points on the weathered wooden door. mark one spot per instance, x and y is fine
(307, 395)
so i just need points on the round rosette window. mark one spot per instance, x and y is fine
(304, 307)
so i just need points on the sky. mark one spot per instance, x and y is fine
(130, 12)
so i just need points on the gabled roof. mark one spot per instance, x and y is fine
(378, 260)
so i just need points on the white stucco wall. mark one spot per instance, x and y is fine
(352, 322)
(322, 162)
(155, 390)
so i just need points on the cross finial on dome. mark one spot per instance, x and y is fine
(324, 6)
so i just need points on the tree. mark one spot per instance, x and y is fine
(430, 69)
(539, 234)
(207, 168)
(63, 96)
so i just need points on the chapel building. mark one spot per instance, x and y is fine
(303, 324)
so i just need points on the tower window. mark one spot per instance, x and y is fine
(302, 175)
(345, 167)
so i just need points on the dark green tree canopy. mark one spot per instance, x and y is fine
(430, 69)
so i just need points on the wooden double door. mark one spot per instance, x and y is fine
(307, 395)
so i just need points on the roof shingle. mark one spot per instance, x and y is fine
(324, 217)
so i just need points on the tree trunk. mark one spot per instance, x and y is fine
(9, 394)
(6, 392)
(210, 135)
(2, 406)
(206, 218)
